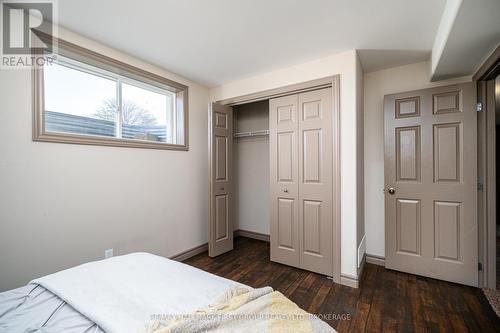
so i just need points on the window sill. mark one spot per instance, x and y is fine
(112, 142)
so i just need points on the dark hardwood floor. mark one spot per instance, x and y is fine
(387, 301)
(498, 258)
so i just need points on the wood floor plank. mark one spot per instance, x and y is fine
(387, 301)
(358, 323)
(319, 298)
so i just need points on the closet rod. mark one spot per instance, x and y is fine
(252, 133)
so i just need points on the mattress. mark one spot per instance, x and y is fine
(120, 294)
(33, 308)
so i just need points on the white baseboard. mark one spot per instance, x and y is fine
(352, 281)
(190, 253)
(204, 247)
(349, 281)
(375, 260)
(251, 234)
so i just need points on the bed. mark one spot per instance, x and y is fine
(142, 292)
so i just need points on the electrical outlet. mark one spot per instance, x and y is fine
(108, 253)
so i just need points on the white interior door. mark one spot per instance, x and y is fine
(220, 162)
(431, 183)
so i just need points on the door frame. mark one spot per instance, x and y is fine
(327, 82)
(487, 72)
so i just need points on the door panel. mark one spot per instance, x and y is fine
(221, 217)
(408, 225)
(447, 152)
(448, 230)
(430, 162)
(285, 150)
(408, 153)
(315, 181)
(286, 113)
(286, 224)
(220, 213)
(447, 102)
(221, 120)
(407, 107)
(312, 227)
(221, 158)
(283, 183)
(312, 155)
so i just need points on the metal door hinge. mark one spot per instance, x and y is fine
(480, 186)
(479, 266)
(479, 107)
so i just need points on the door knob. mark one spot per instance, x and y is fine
(285, 190)
(391, 190)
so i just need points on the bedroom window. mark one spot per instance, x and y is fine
(86, 98)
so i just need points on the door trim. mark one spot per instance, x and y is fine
(334, 83)
(487, 176)
(487, 72)
(490, 68)
(292, 89)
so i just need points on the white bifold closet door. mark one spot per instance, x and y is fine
(301, 180)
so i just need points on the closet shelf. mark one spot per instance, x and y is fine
(252, 133)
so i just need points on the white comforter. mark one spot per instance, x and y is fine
(121, 294)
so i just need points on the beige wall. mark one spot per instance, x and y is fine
(62, 205)
(376, 85)
(343, 64)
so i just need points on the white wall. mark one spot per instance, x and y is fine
(376, 85)
(62, 205)
(360, 184)
(345, 65)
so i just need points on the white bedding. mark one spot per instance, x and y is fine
(121, 294)
(33, 308)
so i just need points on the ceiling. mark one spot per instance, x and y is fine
(471, 35)
(219, 41)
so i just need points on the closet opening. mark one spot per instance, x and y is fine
(251, 170)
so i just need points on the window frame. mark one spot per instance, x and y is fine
(130, 75)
